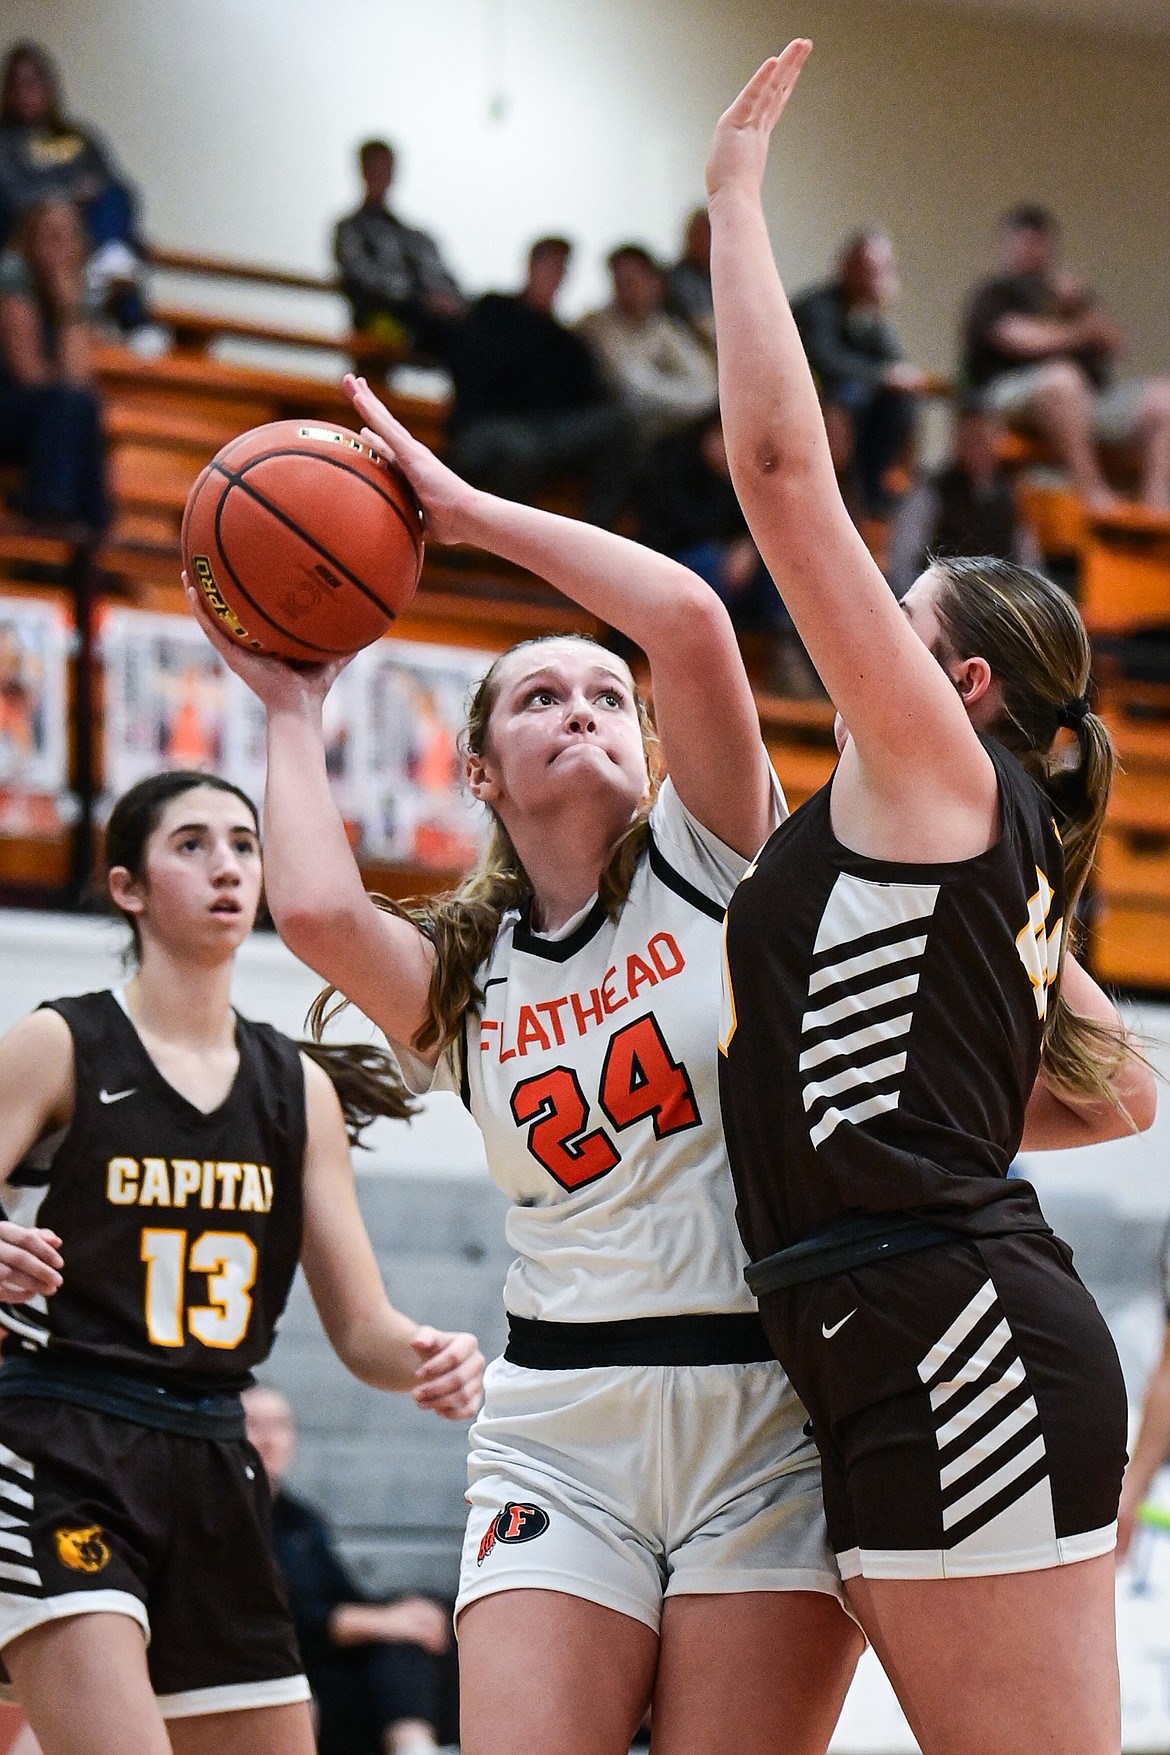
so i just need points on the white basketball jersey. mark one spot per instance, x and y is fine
(593, 1075)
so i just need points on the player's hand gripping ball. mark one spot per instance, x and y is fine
(303, 542)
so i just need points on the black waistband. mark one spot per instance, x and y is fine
(642, 1340)
(851, 1244)
(189, 1413)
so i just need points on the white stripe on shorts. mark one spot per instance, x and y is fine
(234, 1697)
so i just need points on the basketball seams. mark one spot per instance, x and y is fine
(298, 509)
(324, 653)
(413, 527)
(260, 498)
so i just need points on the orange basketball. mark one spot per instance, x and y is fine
(303, 541)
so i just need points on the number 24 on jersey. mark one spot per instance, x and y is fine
(639, 1078)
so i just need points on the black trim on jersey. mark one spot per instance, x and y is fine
(557, 950)
(699, 1339)
(137, 1399)
(674, 880)
(464, 1070)
(29, 1176)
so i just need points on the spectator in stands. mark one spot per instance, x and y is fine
(530, 404)
(869, 392)
(967, 507)
(50, 421)
(687, 508)
(1040, 349)
(393, 275)
(688, 283)
(373, 1667)
(650, 360)
(47, 156)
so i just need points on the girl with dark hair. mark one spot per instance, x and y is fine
(645, 1503)
(902, 1013)
(46, 155)
(165, 1163)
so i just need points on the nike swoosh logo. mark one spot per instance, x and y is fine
(830, 1332)
(116, 1096)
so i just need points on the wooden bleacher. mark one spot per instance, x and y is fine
(167, 417)
(1130, 903)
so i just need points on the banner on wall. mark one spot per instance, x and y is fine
(36, 639)
(392, 722)
(412, 702)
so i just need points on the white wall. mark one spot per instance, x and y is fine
(239, 117)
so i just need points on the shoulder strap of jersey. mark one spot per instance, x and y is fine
(674, 880)
(277, 1061)
(89, 1017)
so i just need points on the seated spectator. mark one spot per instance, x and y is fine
(650, 360)
(1040, 350)
(687, 508)
(868, 390)
(50, 421)
(529, 401)
(688, 283)
(46, 156)
(373, 1667)
(398, 286)
(968, 507)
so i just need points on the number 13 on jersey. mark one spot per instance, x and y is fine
(639, 1078)
(228, 1258)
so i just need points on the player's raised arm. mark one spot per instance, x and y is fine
(314, 888)
(703, 706)
(907, 723)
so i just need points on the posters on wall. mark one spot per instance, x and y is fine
(392, 722)
(36, 639)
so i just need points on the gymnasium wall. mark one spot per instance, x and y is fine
(517, 116)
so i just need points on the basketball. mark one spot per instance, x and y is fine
(303, 541)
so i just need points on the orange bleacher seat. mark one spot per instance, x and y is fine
(1125, 581)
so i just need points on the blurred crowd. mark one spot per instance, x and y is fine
(622, 404)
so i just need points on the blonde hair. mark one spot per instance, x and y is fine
(1031, 634)
(463, 924)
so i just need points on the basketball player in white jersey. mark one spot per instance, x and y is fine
(646, 1525)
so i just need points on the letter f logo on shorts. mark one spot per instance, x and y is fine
(516, 1523)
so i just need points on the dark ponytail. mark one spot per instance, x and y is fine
(367, 1081)
(1031, 634)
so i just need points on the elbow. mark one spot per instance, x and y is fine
(697, 617)
(310, 927)
(767, 469)
(1141, 1100)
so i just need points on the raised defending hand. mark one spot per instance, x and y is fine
(739, 151)
(276, 683)
(445, 497)
(450, 1379)
(30, 1262)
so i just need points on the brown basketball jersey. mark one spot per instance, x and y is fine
(180, 1230)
